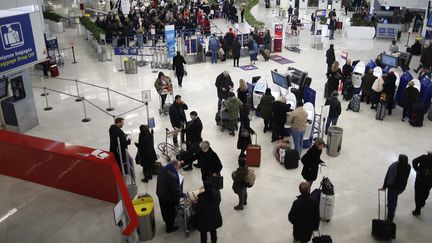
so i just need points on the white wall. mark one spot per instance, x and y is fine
(418, 4)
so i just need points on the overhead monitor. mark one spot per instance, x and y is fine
(389, 60)
(279, 80)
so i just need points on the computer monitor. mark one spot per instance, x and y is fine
(255, 79)
(3, 87)
(279, 80)
(389, 60)
(320, 13)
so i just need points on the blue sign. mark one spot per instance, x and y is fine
(126, 51)
(17, 46)
(248, 67)
(170, 40)
(151, 122)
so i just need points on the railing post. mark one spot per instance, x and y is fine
(73, 54)
(43, 84)
(79, 99)
(47, 108)
(85, 119)
(121, 64)
(110, 108)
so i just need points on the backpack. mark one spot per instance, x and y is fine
(326, 186)
(250, 178)
(354, 104)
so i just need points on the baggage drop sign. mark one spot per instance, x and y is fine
(17, 47)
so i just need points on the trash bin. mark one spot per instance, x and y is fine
(131, 65)
(144, 208)
(334, 141)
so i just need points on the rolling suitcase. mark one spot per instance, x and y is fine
(291, 159)
(381, 228)
(54, 71)
(354, 104)
(381, 110)
(265, 54)
(253, 154)
(322, 238)
(326, 205)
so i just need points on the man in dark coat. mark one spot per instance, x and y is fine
(396, 180)
(193, 132)
(367, 82)
(169, 191)
(304, 214)
(223, 84)
(335, 110)
(178, 67)
(311, 160)
(332, 27)
(330, 58)
(116, 133)
(208, 215)
(279, 117)
(146, 152)
(409, 97)
(178, 116)
(423, 183)
(389, 90)
(236, 49)
(208, 160)
(290, 13)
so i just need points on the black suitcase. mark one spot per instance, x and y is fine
(381, 111)
(417, 115)
(291, 159)
(381, 228)
(322, 238)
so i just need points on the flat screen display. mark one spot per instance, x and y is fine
(279, 80)
(389, 60)
(260, 87)
(3, 87)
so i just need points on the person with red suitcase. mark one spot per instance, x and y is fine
(245, 131)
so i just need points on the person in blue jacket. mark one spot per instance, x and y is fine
(214, 46)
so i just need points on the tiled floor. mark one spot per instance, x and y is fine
(369, 146)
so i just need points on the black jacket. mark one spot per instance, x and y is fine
(426, 57)
(193, 130)
(236, 50)
(423, 166)
(209, 161)
(409, 97)
(333, 81)
(208, 215)
(114, 133)
(279, 112)
(238, 177)
(346, 70)
(229, 39)
(222, 82)
(167, 187)
(177, 115)
(146, 150)
(242, 95)
(335, 107)
(330, 56)
(367, 82)
(304, 215)
(243, 142)
(400, 173)
(310, 161)
(416, 49)
(178, 62)
(389, 87)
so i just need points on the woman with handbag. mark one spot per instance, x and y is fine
(245, 131)
(334, 78)
(311, 160)
(265, 109)
(146, 152)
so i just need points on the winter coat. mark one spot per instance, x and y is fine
(423, 167)
(114, 133)
(367, 82)
(193, 130)
(213, 44)
(236, 50)
(243, 142)
(208, 215)
(146, 150)
(238, 177)
(209, 161)
(333, 81)
(389, 87)
(397, 176)
(335, 107)
(232, 107)
(330, 56)
(426, 57)
(310, 161)
(304, 215)
(222, 82)
(177, 115)
(266, 106)
(409, 97)
(229, 39)
(178, 62)
(267, 41)
(279, 113)
(242, 95)
(168, 186)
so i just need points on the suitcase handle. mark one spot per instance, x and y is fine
(256, 139)
(379, 203)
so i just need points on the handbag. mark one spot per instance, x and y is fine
(244, 133)
(217, 181)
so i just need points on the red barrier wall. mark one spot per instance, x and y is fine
(60, 165)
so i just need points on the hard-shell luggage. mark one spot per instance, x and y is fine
(354, 104)
(381, 111)
(417, 115)
(326, 206)
(266, 54)
(339, 25)
(253, 154)
(322, 238)
(381, 228)
(291, 159)
(54, 71)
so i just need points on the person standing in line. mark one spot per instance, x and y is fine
(223, 84)
(304, 215)
(253, 52)
(163, 86)
(242, 91)
(279, 116)
(298, 121)
(178, 67)
(178, 117)
(265, 109)
(245, 131)
(311, 160)
(423, 183)
(232, 108)
(409, 97)
(116, 134)
(236, 49)
(389, 88)
(330, 59)
(267, 40)
(395, 181)
(335, 110)
(208, 161)
(313, 19)
(214, 46)
(208, 215)
(332, 27)
(239, 184)
(376, 90)
(334, 78)
(146, 151)
(290, 13)
(169, 190)
(346, 74)
(367, 81)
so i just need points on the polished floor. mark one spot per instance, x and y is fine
(369, 146)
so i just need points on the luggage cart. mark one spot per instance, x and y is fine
(166, 148)
(292, 42)
(186, 214)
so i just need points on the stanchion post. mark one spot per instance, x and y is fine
(73, 54)
(121, 64)
(47, 108)
(79, 99)
(85, 119)
(110, 108)
(409, 33)
(43, 84)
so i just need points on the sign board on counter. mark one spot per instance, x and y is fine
(146, 95)
(126, 51)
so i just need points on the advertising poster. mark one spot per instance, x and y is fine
(278, 35)
(170, 40)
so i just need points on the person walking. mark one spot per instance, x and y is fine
(169, 190)
(245, 131)
(208, 161)
(311, 160)
(242, 91)
(232, 108)
(119, 138)
(178, 67)
(298, 121)
(335, 110)
(267, 40)
(253, 52)
(242, 12)
(163, 87)
(239, 184)
(146, 151)
(178, 117)
(279, 117)
(395, 181)
(214, 46)
(290, 13)
(330, 58)
(332, 27)
(265, 109)
(223, 84)
(304, 215)
(409, 97)
(236, 49)
(423, 183)
(425, 58)
(208, 215)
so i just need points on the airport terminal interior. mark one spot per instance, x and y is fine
(36, 213)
